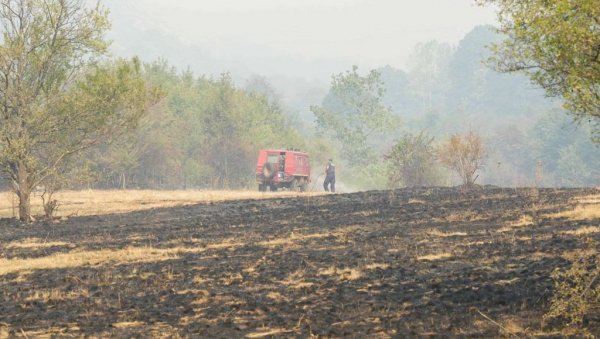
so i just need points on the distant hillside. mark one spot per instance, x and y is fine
(448, 87)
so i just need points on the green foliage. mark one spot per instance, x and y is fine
(235, 126)
(556, 44)
(576, 291)
(205, 133)
(444, 85)
(571, 167)
(428, 70)
(353, 114)
(367, 176)
(554, 151)
(56, 98)
(412, 162)
(565, 150)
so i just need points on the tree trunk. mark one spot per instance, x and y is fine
(24, 192)
(123, 184)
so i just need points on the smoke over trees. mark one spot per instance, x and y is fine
(205, 131)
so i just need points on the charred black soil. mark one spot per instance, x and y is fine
(429, 262)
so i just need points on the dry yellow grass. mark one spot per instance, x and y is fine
(583, 231)
(416, 201)
(34, 243)
(432, 257)
(292, 238)
(128, 324)
(506, 282)
(277, 296)
(97, 202)
(587, 208)
(525, 220)
(513, 326)
(268, 332)
(575, 255)
(227, 243)
(462, 217)
(79, 258)
(46, 333)
(589, 199)
(342, 273)
(581, 212)
(295, 281)
(437, 233)
(347, 273)
(57, 295)
(375, 266)
(4, 330)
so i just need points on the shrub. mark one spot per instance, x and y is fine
(576, 291)
(411, 162)
(464, 154)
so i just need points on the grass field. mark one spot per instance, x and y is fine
(98, 202)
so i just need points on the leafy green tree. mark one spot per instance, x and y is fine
(55, 98)
(221, 127)
(398, 94)
(353, 114)
(412, 162)
(511, 162)
(123, 158)
(205, 133)
(557, 44)
(477, 88)
(571, 168)
(565, 149)
(260, 85)
(428, 70)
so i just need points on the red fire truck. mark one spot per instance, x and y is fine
(280, 168)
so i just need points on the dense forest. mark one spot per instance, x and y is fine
(205, 130)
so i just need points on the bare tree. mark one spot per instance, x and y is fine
(465, 154)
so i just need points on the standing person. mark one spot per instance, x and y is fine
(329, 183)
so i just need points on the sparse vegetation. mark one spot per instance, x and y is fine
(465, 154)
(577, 291)
(363, 265)
(98, 202)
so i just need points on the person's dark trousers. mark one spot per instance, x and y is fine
(329, 184)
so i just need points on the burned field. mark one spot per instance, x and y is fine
(429, 262)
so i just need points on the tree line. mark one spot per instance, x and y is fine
(75, 118)
(203, 133)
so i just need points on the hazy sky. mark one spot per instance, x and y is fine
(368, 33)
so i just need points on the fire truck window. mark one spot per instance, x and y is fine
(272, 158)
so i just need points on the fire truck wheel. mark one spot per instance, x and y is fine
(303, 185)
(294, 185)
